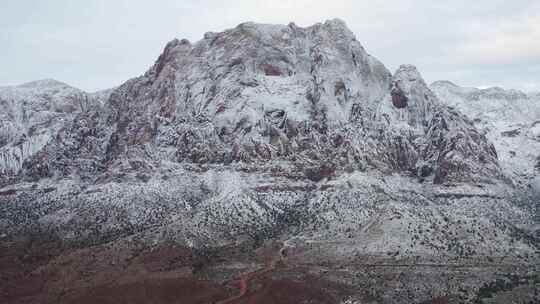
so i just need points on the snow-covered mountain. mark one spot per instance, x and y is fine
(262, 93)
(32, 114)
(509, 118)
(278, 133)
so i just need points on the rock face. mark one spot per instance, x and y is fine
(270, 133)
(398, 98)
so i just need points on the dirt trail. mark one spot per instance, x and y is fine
(244, 283)
(247, 277)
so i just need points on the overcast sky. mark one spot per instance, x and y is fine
(97, 44)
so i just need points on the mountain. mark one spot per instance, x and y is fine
(277, 147)
(33, 114)
(228, 98)
(509, 118)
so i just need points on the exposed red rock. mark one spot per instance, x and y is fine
(399, 100)
(270, 70)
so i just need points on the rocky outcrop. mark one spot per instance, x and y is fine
(436, 142)
(398, 98)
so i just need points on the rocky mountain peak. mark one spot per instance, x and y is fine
(172, 51)
(411, 94)
(258, 93)
(408, 72)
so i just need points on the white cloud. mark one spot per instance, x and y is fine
(506, 42)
